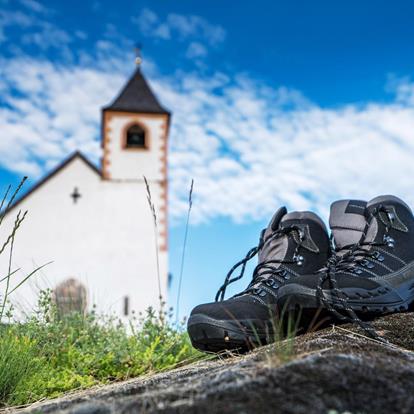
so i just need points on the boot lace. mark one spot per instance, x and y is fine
(347, 258)
(264, 270)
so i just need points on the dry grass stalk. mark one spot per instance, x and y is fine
(190, 204)
(10, 241)
(154, 217)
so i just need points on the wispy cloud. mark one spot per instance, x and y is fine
(179, 26)
(35, 29)
(13, 18)
(48, 36)
(35, 6)
(196, 50)
(48, 111)
(250, 147)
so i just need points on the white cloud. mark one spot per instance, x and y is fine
(187, 26)
(179, 26)
(56, 110)
(196, 50)
(48, 36)
(250, 147)
(81, 34)
(35, 6)
(34, 30)
(13, 18)
(404, 90)
(146, 21)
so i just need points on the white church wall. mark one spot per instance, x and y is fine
(105, 239)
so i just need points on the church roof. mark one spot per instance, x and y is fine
(137, 96)
(56, 170)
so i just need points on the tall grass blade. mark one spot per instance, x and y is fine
(17, 224)
(190, 204)
(6, 293)
(9, 275)
(10, 241)
(5, 197)
(9, 204)
(28, 276)
(154, 217)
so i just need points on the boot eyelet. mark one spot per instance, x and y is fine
(391, 216)
(301, 234)
(378, 256)
(366, 263)
(389, 241)
(298, 259)
(259, 292)
(270, 282)
(358, 271)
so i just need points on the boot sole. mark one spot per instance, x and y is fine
(382, 300)
(215, 335)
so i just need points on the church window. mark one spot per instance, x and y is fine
(136, 137)
(70, 296)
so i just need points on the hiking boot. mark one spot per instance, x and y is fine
(372, 268)
(293, 244)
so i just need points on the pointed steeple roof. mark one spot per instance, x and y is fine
(137, 96)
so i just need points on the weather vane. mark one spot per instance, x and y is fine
(138, 55)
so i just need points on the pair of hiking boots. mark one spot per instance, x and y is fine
(366, 268)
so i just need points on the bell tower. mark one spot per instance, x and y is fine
(134, 140)
(134, 134)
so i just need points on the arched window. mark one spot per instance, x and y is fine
(70, 296)
(136, 137)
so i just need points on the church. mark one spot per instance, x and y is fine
(94, 226)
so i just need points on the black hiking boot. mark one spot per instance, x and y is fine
(292, 245)
(371, 271)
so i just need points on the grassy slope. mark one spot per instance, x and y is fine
(46, 356)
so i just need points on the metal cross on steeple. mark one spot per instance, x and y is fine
(75, 195)
(138, 54)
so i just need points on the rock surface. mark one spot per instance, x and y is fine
(333, 369)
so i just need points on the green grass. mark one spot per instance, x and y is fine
(45, 356)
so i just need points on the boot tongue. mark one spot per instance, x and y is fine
(277, 247)
(274, 246)
(387, 201)
(297, 217)
(393, 205)
(347, 221)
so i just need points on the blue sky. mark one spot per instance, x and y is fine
(296, 103)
